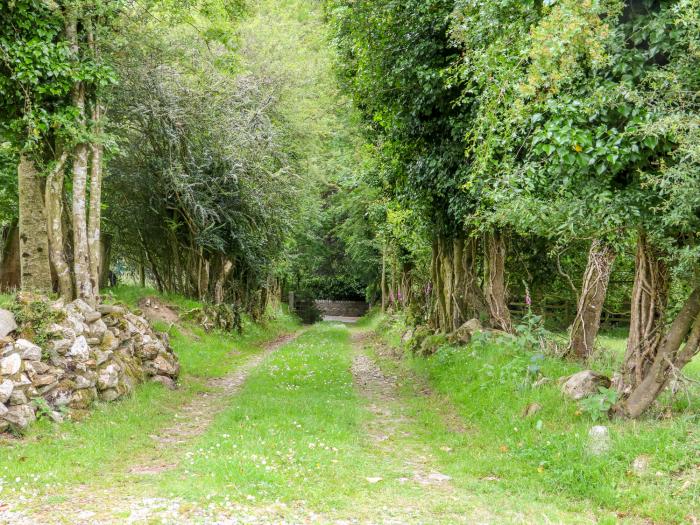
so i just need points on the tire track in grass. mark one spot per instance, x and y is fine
(103, 504)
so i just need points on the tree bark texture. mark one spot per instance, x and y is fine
(35, 267)
(456, 294)
(93, 226)
(10, 273)
(594, 289)
(669, 359)
(81, 250)
(649, 301)
(495, 289)
(54, 216)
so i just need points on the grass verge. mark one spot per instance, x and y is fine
(547, 453)
(51, 455)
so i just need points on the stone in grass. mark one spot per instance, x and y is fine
(7, 323)
(165, 381)
(583, 384)
(599, 440)
(20, 416)
(640, 465)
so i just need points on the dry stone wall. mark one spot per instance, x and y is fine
(91, 354)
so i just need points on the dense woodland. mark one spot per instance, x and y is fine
(501, 160)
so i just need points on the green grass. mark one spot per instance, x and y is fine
(292, 434)
(80, 451)
(546, 454)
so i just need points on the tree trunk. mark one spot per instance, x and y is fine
(224, 272)
(590, 304)
(10, 273)
(54, 217)
(649, 300)
(81, 250)
(35, 267)
(670, 357)
(495, 282)
(93, 227)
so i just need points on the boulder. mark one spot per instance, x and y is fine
(599, 440)
(7, 323)
(583, 384)
(80, 349)
(6, 388)
(28, 350)
(464, 333)
(20, 416)
(10, 365)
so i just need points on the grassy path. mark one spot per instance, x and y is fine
(329, 428)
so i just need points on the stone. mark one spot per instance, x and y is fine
(40, 367)
(583, 384)
(165, 381)
(6, 388)
(464, 333)
(7, 322)
(45, 379)
(60, 395)
(110, 342)
(407, 335)
(93, 341)
(110, 309)
(599, 442)
(21, 380)
(80, 349)
(20, 416)
(97, 329)
(149, 351)
(102, 357)
(91, 317)
(61, 331)
(7, 349)
(28, 350)
(61, 346)
(10, 365)
(531, 408)
(640, 465)
(108, 377)
(18, 397)
(85, 380)
(83, 398)
(81, 306)
(161, 366)
(56, 416)
(3, 410)
(109, 395)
